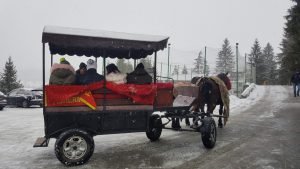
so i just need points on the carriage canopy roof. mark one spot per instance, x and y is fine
(100, 43)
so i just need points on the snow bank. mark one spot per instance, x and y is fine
(238, 105)
(248, 90)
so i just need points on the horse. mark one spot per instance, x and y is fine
(209, 94)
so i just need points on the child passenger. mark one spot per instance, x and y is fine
(62, 73)
(114, 74)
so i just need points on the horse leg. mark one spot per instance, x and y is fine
(211, 108)
(196, 119)
(174, 123)
(220, 124)
(187, 122)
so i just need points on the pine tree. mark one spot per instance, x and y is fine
(8, 79)
(290, 47)
(176, 71)
(225, 59)
(198, 64)
(270, 74)
(257, 61)
(184, 72)
(121, 65)
(129, 67)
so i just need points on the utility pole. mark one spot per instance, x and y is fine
(177, 71)
(251, 81)
(169, 60)
(204, 71)
(237, 69)
(160, 70)
(245, 67)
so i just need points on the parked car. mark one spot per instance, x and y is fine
(2, 100)
(24, 97)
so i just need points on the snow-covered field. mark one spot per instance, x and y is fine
(20, 127)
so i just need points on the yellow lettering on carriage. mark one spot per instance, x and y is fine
(70, 100)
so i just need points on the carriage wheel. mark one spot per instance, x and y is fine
(74, 147)
(208, 132)
(155, 128)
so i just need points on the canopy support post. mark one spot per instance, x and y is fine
(104, 74)
(44, 93)
(154, 68)
(51, 60)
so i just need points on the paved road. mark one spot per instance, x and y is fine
(265, 136)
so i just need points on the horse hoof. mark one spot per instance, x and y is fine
(220, 125)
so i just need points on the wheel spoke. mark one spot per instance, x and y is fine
(73, 155)
(67, 149)
(79, 141)
(81, 149)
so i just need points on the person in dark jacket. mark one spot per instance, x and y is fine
(91, 74)
(62, 73)
(139, 76)
(295, 80)
(80, 73)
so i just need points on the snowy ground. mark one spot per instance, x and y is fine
(20, 127)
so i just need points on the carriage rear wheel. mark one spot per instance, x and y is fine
(74, 147)
(155, 127)
(208, 132)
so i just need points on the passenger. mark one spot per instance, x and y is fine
(80, 73)
(91, 74)
(62, 73)
(139, 75)
(114, 74)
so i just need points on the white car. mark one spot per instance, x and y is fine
(3, 101)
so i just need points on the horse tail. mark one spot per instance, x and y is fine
(206, 89)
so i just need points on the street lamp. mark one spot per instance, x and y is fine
(204, 71)
(169, 59)
(237, 69)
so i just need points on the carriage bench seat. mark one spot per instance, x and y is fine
(100, 94)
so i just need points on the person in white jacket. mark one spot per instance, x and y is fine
(114, 74)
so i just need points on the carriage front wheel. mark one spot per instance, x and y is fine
(208, 132)
(74, 147)
(154, 127)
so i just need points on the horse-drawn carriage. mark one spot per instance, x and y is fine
(84, 111)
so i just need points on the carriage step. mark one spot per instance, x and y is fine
(41, 142)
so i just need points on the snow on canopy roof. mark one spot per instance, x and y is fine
(100, 43)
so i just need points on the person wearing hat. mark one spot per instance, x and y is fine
(80, 73)
(62, 73)
(91, 74)
(63, 61)
(139, 75)
(114, 74)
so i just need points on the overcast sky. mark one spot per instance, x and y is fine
(191, 25)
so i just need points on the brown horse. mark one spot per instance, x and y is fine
(210, 95)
